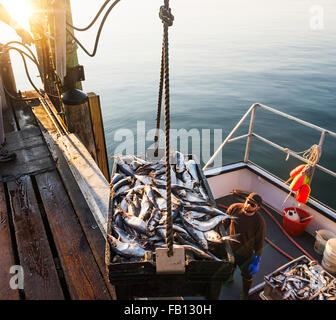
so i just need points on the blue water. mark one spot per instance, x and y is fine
(224, 56)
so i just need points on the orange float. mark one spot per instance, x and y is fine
(301, 176)
(303, 194)
(297, 170)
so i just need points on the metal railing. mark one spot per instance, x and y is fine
(251, 134)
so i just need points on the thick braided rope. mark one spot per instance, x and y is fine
(169, 223)
(158, 115)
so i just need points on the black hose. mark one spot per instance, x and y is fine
(93, 21)
(98, 33)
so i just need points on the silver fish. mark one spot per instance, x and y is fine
(126, 169)
(136, 202)
(146, 205)
(207, 209)
(121, 190)
(150, 194)
(196, 234)
(190, 197)
(186, 177)
(180, 162)
(203, 193)
(126, 249)
(120, 183)
(134, 222)
(204, 225)
(116, 177)
(194, 214)
(143, 179)
(214, 236)
(132, 208)
(124, 205)
(192, 168)
(120, 234)
(162, 203)
(153, 221)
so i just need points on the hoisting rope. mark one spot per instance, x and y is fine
(167, 20)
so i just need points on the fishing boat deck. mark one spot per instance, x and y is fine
(46, 226)
(271, 258)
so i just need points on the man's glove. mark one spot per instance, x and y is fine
(254, 266)
(24, 35)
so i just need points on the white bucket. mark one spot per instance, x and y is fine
(322, 236)
(329, 256)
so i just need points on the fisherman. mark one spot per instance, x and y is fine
(5, 17)
(249, 229)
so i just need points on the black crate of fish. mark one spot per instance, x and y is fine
(137, 221)
(300, 279)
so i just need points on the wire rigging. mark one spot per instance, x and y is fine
(98, 33)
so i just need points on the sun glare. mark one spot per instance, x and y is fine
(20, 10)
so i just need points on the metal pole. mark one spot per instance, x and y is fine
(249, 139)
(230, 135)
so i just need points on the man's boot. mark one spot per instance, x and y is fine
(247, 283)
(6, 156)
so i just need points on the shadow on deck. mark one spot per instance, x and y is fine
(46, 226)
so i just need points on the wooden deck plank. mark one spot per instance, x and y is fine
(24, 115)
(82, 274)
(32, 155)
(87, 221)
(7, 259)
(40, 276)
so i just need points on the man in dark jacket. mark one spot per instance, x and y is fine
(249, 229)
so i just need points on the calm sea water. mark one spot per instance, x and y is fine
(224, 56)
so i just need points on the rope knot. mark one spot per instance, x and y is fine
(166, 16)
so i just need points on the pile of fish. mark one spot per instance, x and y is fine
(329, 293)
(139, 209)
(303, 280)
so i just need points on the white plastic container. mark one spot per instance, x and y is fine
(329, 256)
(322, 236)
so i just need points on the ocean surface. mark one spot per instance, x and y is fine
(224, 56)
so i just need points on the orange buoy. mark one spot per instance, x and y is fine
(297, 170)
(297, 182)
(303, 194)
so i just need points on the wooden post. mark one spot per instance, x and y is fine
(99, 135)
(78, 120)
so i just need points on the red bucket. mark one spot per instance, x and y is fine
(292, 227)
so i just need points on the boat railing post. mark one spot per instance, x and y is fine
(229, 136)
(249, 138)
